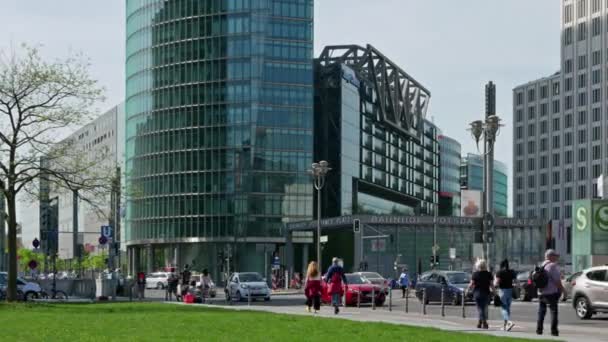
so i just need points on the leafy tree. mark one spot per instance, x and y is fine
(39, 100)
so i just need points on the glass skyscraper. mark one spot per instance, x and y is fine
(471, 178)
(219, 98)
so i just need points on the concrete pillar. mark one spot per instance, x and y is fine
(149, 259)
(289, 251)
(305, 260)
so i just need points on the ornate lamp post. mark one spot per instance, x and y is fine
(319, 171)
(487, 131)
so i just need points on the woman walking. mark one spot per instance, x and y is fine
(481, 283)
(504, 282)
(312, 288)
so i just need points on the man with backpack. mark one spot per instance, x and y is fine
(335, 278)
(547, 279)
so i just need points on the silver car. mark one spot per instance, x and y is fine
(590, 292)
(157, 280)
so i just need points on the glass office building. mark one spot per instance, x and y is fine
(449, 183)
(471, 178)
(382, 162)
(219, 101)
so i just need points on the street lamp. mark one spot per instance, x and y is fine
(487, 131)
(319, 171)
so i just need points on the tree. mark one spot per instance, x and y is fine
(39, 101)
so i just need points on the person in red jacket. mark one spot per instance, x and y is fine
(312, 289)
(335, 277)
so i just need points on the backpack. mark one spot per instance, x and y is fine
(540, 277)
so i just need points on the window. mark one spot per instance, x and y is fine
(598, 276)
(519, 98)
(519, 165)
(568, 175)
(556, 159)
(531, 130)
(568, 139)
(531, 198)
(543, 109)
(556, 141)
(596, 76)
(543, 162)
(543, 127)
(556, 88)
(582, 117)
(596, 5)
(596, 26)
(597, 170)
(556, 177)
(596, 57)
(581, 8)
(581, 32)
(519, 115)
(556, 124)
(582, 136)
(519, 183)
(596, 133)
(569, 84)
(543, 179)
(596, 95)
(531, 95)
(568, 157)
(582, 192)
(568, 194)
(596, 152)
(555, 195)
(568, 36)
(582, 81)
(519, 132)
(544, 92)
(531, 181)
(582, 61)
(531, 164)
(597, 114)
(567, 14)
(556, 213)
(582, 155)
(519, 200)
(531, 147)
(543, 144)
(568, 104)
(543, 197)
(531, 113)
(568, 121)
(519, 149)
(568, 66)
(555, 106)
(582, 173)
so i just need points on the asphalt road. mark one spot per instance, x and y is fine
(520, 311)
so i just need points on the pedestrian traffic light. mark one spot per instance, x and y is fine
(356, 226)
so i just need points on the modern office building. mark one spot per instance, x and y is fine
(450, 153)
(104, 137)
(219, 99)
(561, 124)
(471, 178)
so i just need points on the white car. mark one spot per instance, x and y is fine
(197, 278)
(244, 284)
(157, 280)
(28, 290)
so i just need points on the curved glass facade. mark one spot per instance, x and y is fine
(219, 103)
(449, 184)
(471, 173)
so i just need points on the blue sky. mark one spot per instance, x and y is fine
(452, 47)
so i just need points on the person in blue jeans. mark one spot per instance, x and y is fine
(404, 282)
(504, 283)
(335, 277)
(481, 283)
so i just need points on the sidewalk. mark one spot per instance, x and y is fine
(521, 329)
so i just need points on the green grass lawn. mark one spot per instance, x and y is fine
(155, 322)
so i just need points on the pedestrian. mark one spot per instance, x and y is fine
(504, 282)
(205, 284)
(550, 294)
(335, 278)
(481, 283)
(312, 288)
(404, 282)
(172, 284)
(141, 285)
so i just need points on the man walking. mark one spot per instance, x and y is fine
(334, 277)
(549, 295)
(404, 282)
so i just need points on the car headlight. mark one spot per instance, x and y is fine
(243, 286)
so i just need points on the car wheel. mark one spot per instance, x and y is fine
(159, 286)
(267, 299)
(30, 295)
(227, 295)
(583, 308)
(238, 297)
(455, 300)
(379, 302)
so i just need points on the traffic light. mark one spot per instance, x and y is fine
(356, 226)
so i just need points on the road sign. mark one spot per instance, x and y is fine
(435, 248)
(378, 245)
(324, 239)
(276, 263)
(36, 243)
(32, 264)
(452, 253)
(103, 240)
(107, 231)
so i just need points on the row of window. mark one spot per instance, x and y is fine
(581, 31)
(544, 93)
(581, 193)
(581, 9)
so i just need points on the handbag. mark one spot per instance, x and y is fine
(497, 301)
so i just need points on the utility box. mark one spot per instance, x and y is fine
(589, 234)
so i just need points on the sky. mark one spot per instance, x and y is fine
(452, 47)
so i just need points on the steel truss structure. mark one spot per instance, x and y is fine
(402, 101)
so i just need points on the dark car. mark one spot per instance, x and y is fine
(527, 290)
(453, 284)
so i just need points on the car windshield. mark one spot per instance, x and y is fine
(356, 279)
(523, 276)
(250, 277)
(458, 278)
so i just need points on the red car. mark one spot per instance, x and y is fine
(359, 288)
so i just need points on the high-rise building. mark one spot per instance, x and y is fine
(471, 178)
(219, 99)
(449, 172)
(561, 124)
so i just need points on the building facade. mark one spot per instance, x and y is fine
(219, 129)
(450, 153)
(573, 128)
(471, 178)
